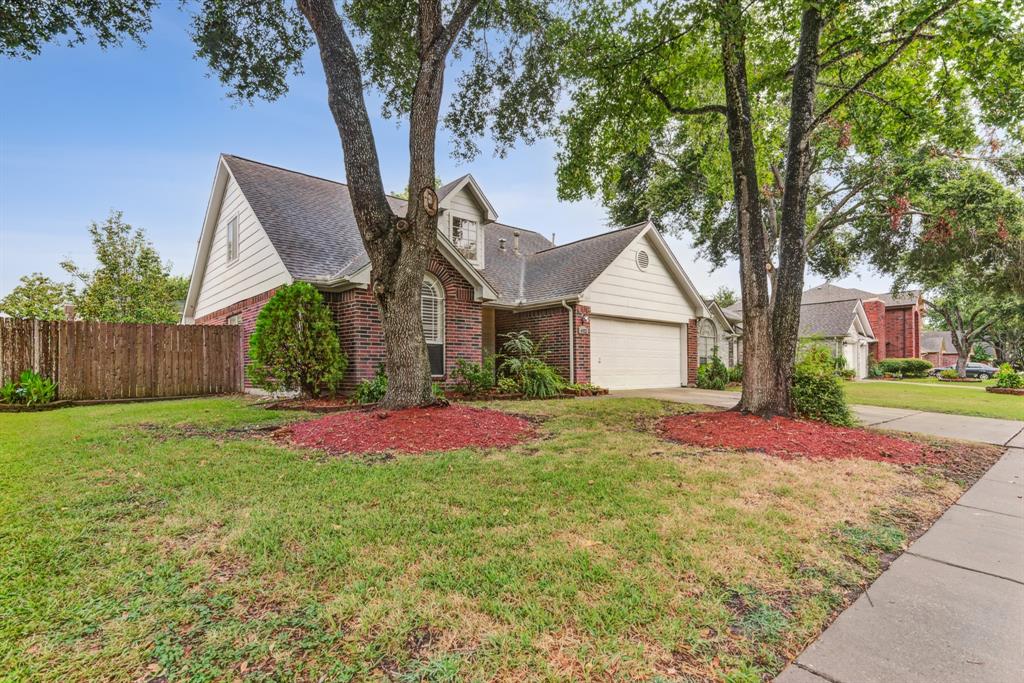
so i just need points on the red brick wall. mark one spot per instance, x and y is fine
(875, 310)
(902, 333)
(691, 352)
(940, 360)
(550, 328)
(359, 330)
(249, 310)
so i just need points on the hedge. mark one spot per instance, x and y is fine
(906, 367)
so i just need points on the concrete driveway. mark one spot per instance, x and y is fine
(968, 428)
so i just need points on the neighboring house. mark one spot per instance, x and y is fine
(844, 327)
(615, 309)
(719, 331)
(895, 320)
(937, 347)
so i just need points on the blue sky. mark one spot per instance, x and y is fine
(84, 131)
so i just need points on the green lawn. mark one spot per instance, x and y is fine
(966, 399)
(171, 541)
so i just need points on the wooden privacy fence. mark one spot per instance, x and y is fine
(92, 360)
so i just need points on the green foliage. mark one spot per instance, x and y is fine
(949, 373)
(713, 374)
(294, 345)
(29, 25)
(817, 391)
(905, 367)
(874, 369)
(980, 354)
(1008, 378)
(473, 378)
(736, 374)
(39, 297)
(725, 297)
(30, 389)
(508, 385)
(372, 390)
(522, 361)
(130, 283)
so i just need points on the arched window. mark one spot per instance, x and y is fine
(432, 319)
(707, 340)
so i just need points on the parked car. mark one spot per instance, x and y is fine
(978, 370)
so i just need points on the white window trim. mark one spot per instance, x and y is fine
(478, 260)
(227, 238)
(438, 288)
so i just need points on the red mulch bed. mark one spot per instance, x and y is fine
(786, 438)
(412, 430)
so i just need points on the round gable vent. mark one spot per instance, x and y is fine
(643, 259)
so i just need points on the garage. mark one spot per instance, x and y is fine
(635, 354)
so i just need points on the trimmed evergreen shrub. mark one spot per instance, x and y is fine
(713, 374)
(905, 367)
(736, 373)
(817, 391)
(294, 346)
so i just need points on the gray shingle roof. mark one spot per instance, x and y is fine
(830, 292)
(309, 220)
(827, 318)
(932, 341)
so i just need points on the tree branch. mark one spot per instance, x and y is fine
(684, 111)
(904, 43)
(875, 96)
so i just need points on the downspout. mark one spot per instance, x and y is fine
(572, 345)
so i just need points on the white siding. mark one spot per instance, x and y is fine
(257, 268)
(464, 205)
(625, 291)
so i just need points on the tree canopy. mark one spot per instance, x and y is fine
(130, 282)
(37, 296)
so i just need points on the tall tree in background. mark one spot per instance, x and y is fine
(130, 283)
(755, 126)
(725, 297)
(400, 47)
(38, 297)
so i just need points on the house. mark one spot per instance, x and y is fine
(896, 320)
(615, 309)
(721, 331)
(937, 348)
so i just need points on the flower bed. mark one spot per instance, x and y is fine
(412, 430)
(1005, 390)
(968, 380)
(787, 438)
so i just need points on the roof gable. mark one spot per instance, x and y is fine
(466, 184)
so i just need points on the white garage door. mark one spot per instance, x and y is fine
(634, 354)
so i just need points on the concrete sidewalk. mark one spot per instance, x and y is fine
(966, 427)
(951, 608)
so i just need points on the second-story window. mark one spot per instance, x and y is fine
(232, 239)
(465, 236)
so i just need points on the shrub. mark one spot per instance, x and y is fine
(949, 374)
(372, 390)
(294, 345)
(30, 389)
(817, 391)
(713, 374)
(472, 378)
(1008, 378)
(980, 354)
(874, 369)
(905, 367)
(507, 385)
(522, 362)
(736, 373)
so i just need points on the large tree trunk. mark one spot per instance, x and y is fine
(760, 394)
(399, 248)
(789, 280)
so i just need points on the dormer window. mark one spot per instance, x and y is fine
(466, 236)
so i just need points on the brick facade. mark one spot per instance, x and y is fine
(875, 310)
(691, 352)
(550, 328)
(940, 360)
(902, 332)
(359, 327)
(248, 309)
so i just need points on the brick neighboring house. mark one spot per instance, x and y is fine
(937, 348)
(896, 321)
(615, 309)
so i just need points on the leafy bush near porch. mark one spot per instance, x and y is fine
(372, 390)
(474, 378)
(30, 389)
(949, 373)
(1008, 378)
(905, 367)
(294, 345)
(522, 362)
(713, 374)
(817, 390)
(736, 373)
